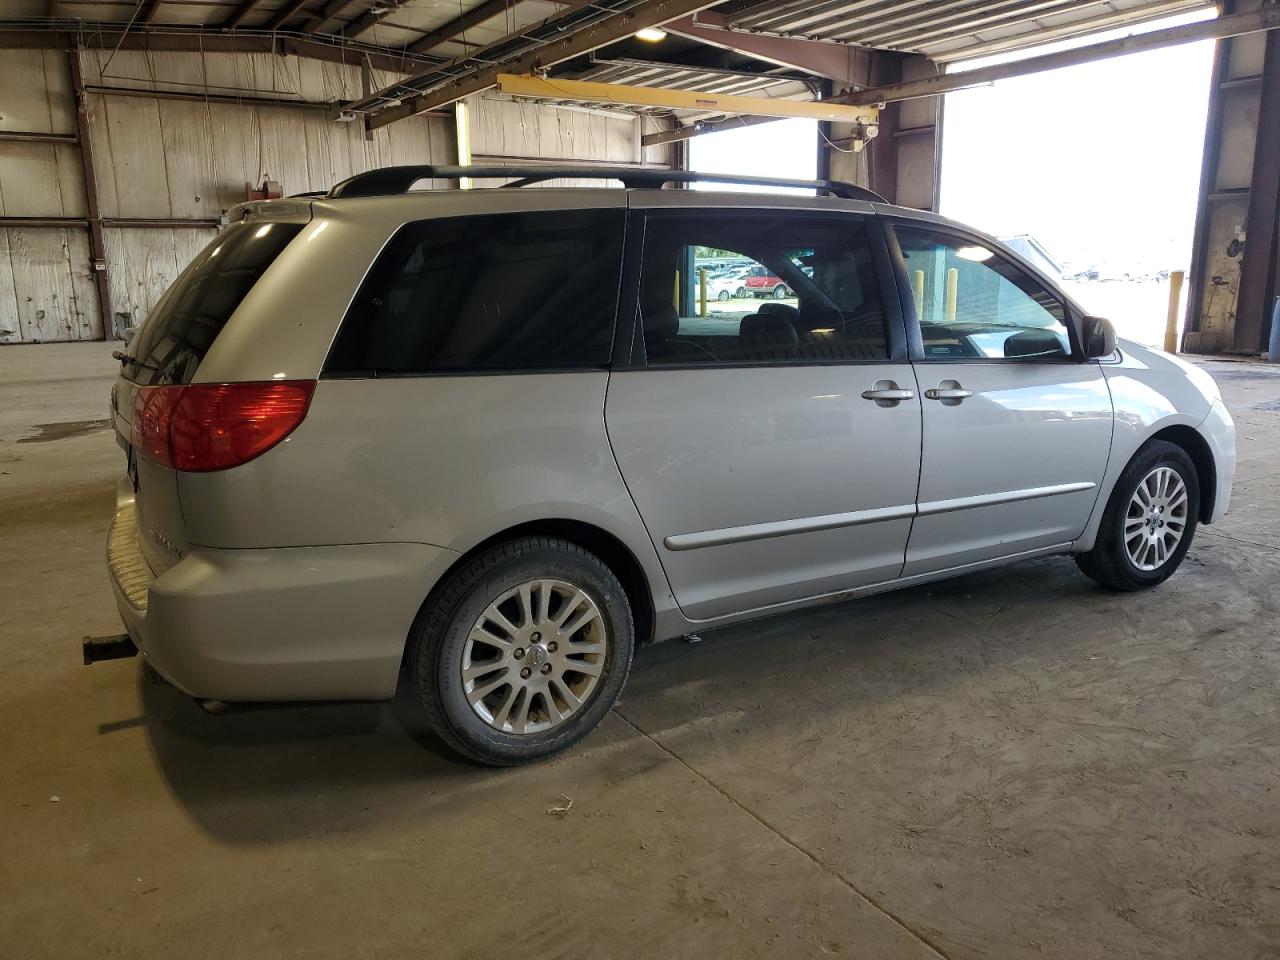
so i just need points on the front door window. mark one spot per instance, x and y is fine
(974, 303)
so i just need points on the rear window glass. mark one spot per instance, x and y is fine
(193, 311)
(514, 291)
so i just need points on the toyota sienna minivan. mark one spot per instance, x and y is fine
(483, 442)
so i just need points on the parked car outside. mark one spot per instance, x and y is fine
(727, 287)
(381, 438)
(762, 283)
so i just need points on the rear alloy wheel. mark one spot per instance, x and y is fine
(534, 656)
(1149, 521)
(522, 651)
(723, 295)
(780, 292)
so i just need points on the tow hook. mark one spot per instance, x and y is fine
(119, 647)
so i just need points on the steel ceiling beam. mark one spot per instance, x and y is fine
(147, 10)
(575, 43)
(1268, 18)
(331, 10)
(284, 13)
(368, 20)
(204, 41)
(689, 131)
(461, 24)
(843, 63)
(239, 14)
(620, 94)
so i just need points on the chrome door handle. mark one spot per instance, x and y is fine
(886, 393)
(949, 392)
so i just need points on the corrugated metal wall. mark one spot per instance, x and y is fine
(46, 288)
(165, 158)
(191, 159)
(518, 131)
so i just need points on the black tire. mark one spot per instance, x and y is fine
(723, 295)
(1109, 563)
(780, 292)
(434, 659)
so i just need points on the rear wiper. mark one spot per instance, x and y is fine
(125, 358)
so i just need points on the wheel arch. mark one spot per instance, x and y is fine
(1197, 448)
(615, 554)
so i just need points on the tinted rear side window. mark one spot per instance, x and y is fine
(192, 312)
(517, 291)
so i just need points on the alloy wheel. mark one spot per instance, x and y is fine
(534, 657)
(1156, 518)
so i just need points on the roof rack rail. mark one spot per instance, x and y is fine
(386, 181)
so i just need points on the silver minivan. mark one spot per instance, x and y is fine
(483, 442)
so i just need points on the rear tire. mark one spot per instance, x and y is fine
(1149, 522)
(498, 679)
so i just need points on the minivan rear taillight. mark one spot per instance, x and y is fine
(213, 426)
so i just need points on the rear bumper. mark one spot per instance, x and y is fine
(297, 623)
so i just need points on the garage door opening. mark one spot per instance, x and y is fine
(782, 148)
(1092, 171)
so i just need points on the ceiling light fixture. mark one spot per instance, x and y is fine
(651, 34)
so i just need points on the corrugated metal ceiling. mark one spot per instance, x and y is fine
(941, 29)
(946, 29)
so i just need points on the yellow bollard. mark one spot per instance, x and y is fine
(702, 291)
(953, 289)
(675, 293)
(917, 288)
(1171, 324)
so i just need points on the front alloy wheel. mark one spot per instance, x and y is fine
(1156, 518)
(1149, 521)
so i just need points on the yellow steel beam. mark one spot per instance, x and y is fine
(628, 96)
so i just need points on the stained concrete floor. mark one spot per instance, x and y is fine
(1011, 764)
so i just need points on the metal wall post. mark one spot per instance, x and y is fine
(97, 243)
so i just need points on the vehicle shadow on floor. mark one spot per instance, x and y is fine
(269, 774)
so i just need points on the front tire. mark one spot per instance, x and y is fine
(780, 292)
(522, 651)
(1149, 521)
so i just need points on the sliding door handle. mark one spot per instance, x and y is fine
(949, 392)
(886, 393)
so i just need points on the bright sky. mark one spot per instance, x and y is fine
(1099, 162)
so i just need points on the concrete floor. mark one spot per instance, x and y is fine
(1012, 764)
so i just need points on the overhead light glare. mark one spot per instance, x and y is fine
(651, 34)
(975, 253)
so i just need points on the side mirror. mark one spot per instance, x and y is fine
(1099, 338)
